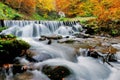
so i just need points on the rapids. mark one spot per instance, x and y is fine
(81, 67)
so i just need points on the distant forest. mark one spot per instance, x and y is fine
(102, 9)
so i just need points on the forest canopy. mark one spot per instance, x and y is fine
(103, 9)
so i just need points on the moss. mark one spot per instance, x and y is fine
(2, 28)
(7, 37)
(10, 47)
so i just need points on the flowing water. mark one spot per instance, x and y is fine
(81, 67)
(37, 28)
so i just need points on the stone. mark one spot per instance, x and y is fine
(42, 39)
(49, 42)
(56, 72)
(52, 37)
(66, 41)
(82, 35)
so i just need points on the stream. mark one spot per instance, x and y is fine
(70, 55)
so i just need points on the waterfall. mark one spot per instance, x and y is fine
(64, 30)
(81, 68)
(38, 28)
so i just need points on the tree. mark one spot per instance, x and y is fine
(14, 3)
(28, 6)
(44, 7)
(48, 5)
(25, 6)
(70, 7)
(107, 10)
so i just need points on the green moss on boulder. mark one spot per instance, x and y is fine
(10, 48)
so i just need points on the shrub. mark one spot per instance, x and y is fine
(2, 28)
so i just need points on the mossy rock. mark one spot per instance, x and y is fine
(9, 36)
(10, 48)
(2, 28)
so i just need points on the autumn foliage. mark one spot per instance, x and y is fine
(104, 10)
(71, 8)
(45, 6)
(107, 10)
(25, 6)
(14, 3)
(28, 6)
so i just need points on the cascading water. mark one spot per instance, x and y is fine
(64, 30)
(37, 28)
(81, 68)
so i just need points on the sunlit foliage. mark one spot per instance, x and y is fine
(107, 9)
(103, 9)
(70, 7)
(44, 7)
(25, 6)
(46, 4)
(28, 6)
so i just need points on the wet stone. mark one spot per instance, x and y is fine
(56, 72)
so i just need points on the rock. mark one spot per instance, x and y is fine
(105, 50)
(5, 57)
(14, 68)
(67, 37)
(93, 54)
(66, 41)
(56, 72)
(69, 41)
(90, 30)
(41, 57)
(24, 76)
(11, 48)
(112, 58)
(82, 35)
(18, 69)
(30, 58)
(52, 37)
(49, 42)
(28, 55)
(9, 36)
(42, 39)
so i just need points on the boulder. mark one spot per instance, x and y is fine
(56, 72)
(11, 48)
(41, 57)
